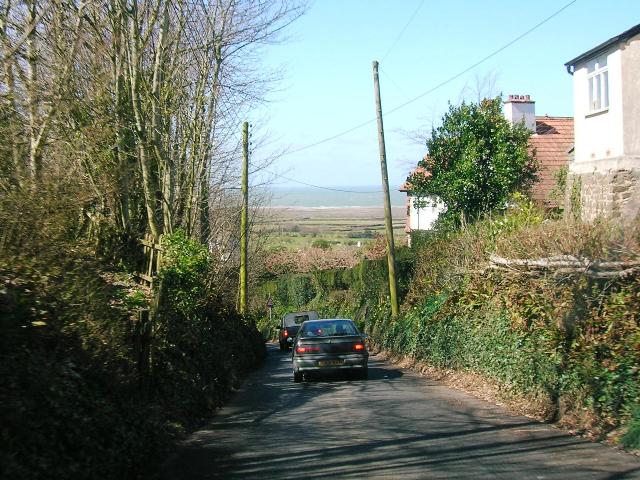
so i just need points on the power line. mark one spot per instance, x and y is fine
(433, 89)
(328, 139)
(395, 42)
(492, 54)
(319, 186)
(394, 83)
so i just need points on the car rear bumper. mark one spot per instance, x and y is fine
(310, 363)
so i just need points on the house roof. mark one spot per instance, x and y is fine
(552, 142)
(406, 186)
(632, 32)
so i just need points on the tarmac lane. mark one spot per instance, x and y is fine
(396, 424)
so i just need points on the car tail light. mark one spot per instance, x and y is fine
(301, 349)
(286, 333)
(358, 347)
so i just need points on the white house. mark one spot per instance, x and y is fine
(606, 165)
(551, 140)
(420, 217)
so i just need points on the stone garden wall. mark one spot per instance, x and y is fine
(612, 193)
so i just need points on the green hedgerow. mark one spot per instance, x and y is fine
(631, 439)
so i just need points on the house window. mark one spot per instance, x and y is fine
(598, 80)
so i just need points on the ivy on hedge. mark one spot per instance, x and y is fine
(573, 346)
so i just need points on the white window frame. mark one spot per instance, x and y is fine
(598, 87)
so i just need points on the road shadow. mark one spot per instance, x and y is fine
(326, 428)
(469, 453)
(376, 374)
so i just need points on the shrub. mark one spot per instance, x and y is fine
(197, 334)
(184, 272)
(476, 160)
(320, 243)
(631, 438)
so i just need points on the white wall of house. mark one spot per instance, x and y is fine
(607, 130)
(423, 218)
(598, 131)
(631, 97)
(606, 165)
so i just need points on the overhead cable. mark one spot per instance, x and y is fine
(433, 89)
(395, 42)
(319, 186)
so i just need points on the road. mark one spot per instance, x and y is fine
(395, 425)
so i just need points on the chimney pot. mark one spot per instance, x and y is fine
(520, 108)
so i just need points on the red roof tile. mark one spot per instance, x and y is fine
(551, 143)
(406, 186)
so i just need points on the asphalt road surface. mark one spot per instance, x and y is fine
(396, 425)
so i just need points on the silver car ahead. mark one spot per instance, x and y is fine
(329, 345)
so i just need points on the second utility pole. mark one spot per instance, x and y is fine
(244, 220)
(391, 255)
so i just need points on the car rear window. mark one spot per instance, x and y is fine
(329, 328)
(298, 319)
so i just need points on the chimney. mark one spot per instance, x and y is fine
(520, 108)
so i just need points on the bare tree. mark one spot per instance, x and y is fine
(144, 96)
(483, 86)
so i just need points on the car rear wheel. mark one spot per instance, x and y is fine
(297, 376)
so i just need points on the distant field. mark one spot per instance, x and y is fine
(299, 227)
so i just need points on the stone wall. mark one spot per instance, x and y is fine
(613, 193)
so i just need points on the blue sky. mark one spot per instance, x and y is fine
(327, 84)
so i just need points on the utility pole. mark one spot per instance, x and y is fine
(244, 223)
(391, 255)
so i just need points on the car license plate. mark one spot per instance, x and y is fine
(330, 363)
